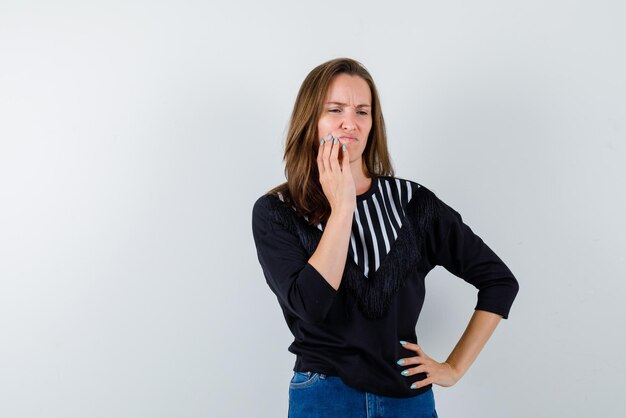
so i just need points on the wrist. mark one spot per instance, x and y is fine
(456, 373)
(343, 213)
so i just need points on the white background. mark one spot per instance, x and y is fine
(135, 137)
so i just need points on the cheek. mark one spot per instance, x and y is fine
(324, 126)
(367, 126)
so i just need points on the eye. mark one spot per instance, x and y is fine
(362, 112)
(334, 110)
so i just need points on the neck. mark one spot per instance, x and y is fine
(361, 180)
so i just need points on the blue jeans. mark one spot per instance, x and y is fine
(316, 395)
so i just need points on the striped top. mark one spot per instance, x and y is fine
(378, 217)
(353, 331)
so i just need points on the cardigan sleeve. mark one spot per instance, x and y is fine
(453, 245)
(301, 290)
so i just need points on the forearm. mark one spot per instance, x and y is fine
(481, 326)
(329, 258)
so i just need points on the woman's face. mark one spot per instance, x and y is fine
(347, 113)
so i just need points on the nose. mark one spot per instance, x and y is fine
(349, 121)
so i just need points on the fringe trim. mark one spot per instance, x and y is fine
(373, 295)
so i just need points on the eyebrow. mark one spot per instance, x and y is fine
(343, 104)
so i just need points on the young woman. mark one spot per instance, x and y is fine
(345, 246)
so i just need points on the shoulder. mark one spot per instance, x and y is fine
(409, 186)
(269, 210)
(266, 202)
(264, 211)
(424, 206)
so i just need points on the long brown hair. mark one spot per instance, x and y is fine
(302, 189)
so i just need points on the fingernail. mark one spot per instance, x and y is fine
(402, 342)
(413, 386)
(329, 137)
(336, 140)
(404, 372)
(343, 147)
(322, 142)
(400, 362)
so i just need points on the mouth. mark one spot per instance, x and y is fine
(347, 139)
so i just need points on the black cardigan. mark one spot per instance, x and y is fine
(354, 332)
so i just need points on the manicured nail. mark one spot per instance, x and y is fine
(336, 140)
(329, 137)
(404, 372)
(402, 342)
(413, 386)
(322, 142)
(343, 147)
(400, 362)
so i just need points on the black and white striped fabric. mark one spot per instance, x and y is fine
(377, 220)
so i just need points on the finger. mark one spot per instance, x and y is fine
(412, 347)
(419, 351)
(327, 149)
(345, 163)
(411, 360)
(422, 383)
(334, 159)
(320, 153)
(415, 370)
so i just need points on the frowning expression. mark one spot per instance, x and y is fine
(347, 113)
